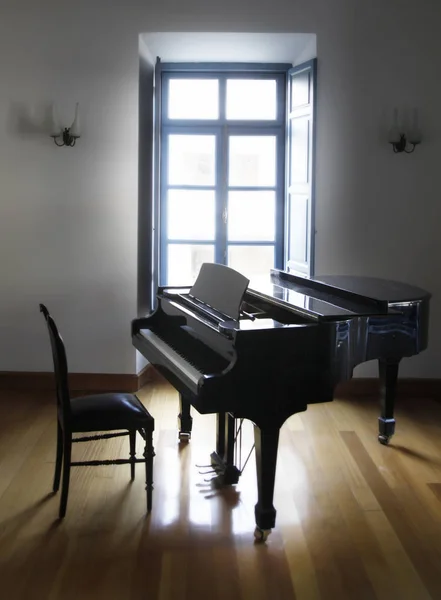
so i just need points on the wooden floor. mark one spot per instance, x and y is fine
(355, 519)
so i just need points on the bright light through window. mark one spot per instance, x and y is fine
(183, 205)
(193, 99)
(252, 99)
(222, 135)
(252, 160)
(191, 160)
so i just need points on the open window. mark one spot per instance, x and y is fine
(222, 168)
(233, 169)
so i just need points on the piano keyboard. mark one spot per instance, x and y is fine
(175, 352)
(178, 364)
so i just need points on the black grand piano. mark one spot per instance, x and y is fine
(265, 351)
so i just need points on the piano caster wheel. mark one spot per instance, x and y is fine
(261, 535)
(184, 436)
(384, 439)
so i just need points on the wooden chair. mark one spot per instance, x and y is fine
(95, 413)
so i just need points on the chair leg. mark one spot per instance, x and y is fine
(59, 457)
(148, 455)
(132, 439)
(67, 448)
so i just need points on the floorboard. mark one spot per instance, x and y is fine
(355, 520)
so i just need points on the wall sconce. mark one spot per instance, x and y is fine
(68, 135)
(402, 140)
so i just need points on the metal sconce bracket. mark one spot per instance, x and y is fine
(68, 135)
(399, 140)
(402, 145)
(68, 140)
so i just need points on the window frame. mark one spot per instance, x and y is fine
(222, 128)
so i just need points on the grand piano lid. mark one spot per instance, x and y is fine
(310, 303)
(335, 297)
(372, 290)
(384, 290)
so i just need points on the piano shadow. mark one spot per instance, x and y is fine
(415, 454)
(229, 494)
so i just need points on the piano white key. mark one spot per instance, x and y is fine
(178, 361)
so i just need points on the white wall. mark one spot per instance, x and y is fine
(68, 216)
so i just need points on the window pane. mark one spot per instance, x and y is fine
(185, 261)
(191, 159)
(190, 214)
(251, 261)
(193, 99)
(251, 99)
(251, 216)
(252, 160)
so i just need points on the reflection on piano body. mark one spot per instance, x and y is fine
(292, 342)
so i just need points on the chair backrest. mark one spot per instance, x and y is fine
(60, 366)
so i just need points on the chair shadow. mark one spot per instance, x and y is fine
(27, 565)
(115, 505)
(28, 512)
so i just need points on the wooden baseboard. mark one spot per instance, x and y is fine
(146, 375)
(370, 386)
(110, 382)
(85, 382)
(407, 387)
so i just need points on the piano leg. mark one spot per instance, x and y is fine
(221, 434)
(223, 459)
(266, 443)
(185, 420)
(388, 382)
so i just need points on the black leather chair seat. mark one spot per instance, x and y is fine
(108, 411)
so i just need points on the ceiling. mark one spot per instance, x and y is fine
(231, 47)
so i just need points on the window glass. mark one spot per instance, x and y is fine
(185, 261)
(251, 216)
(191, 159)
(252, 99)
(251, 261)
(193, 99)
(190, 214)
(252, 160)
